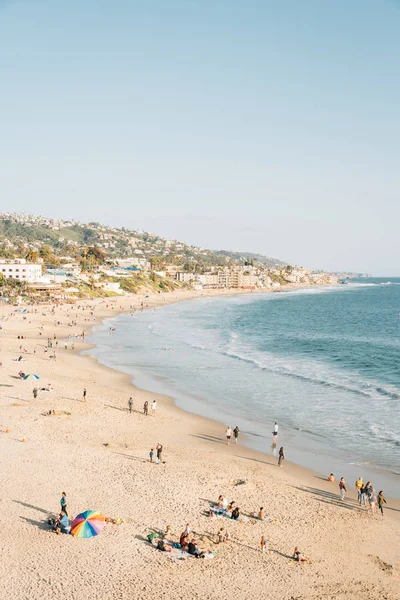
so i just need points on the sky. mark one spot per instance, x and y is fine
(255, 125)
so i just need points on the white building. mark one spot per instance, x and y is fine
(185, 277)
(21, 270)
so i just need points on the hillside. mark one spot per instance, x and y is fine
(19, 233)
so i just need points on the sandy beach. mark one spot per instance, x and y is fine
(98, 452)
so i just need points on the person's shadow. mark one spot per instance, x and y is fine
(39, 524)
(42, 510)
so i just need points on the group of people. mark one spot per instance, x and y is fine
(145, 407)
(229, 433)
(366, 494)
(61, 524)
(187, 543)
(159, 450)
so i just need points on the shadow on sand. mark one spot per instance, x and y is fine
(331, 498)
(42, 510)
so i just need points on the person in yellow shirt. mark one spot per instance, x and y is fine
(359, 486)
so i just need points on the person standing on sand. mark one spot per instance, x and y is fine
(35, 392)
(281, 457)
(359, 485)
(63, 503)
(228, 435)
(263, 544)
(146, 408)
(381, 501)
(84, 394)
(342, 487)
(275, 434)
(372, 502)
(236, 434)
(151, 454)
(159, 452)
(130, 404)
(154, 408)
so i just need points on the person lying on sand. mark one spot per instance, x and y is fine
(161, 545)
(195, 550)
(298, 556)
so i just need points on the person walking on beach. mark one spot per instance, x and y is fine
(342, 487)
(381, 501)
(236, 434)
(154, 408)
(363, 496)
(263, 544)
(228, 435)
(368, 489)
(84, 394)
(159, 452)
(146, 408)
(35, 392)
(130, 404)
(281, 457)
(63, 503)
(275, 434)
(372, 502)
(359, 486)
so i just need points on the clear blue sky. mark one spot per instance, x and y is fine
(262, 125)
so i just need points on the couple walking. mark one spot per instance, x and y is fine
(229, 433)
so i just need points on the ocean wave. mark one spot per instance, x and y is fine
(281, 370)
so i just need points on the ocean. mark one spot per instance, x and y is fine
(322, 362)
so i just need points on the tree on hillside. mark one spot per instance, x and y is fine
(94, 253)
(45, 252)
(32, 256)
(89, 236)
(157, 263)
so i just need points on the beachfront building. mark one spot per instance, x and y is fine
(20, 269)
(209, 280)
(185, 277)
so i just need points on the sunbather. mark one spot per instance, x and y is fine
(194, 550)
(298, 556)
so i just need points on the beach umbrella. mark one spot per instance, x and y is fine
(31, 376)
(87, 524)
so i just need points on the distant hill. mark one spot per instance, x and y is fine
(267, 261)
(20, 232)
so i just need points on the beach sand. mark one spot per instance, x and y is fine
(99, 454)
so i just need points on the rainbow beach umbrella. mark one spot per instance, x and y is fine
(87, 524)
(31, 376)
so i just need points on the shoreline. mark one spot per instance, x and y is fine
(218, 426)
(98, 453)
